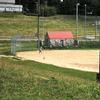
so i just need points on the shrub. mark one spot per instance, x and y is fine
(89, 44)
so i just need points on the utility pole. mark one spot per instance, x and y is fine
(85, 19)
(98, 74)
(77, 19)
(99, 52)
(38, 26)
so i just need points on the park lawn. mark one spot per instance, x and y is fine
(29, 80)
(5, 47)
(17, 23)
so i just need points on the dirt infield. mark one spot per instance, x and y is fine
(86, 60)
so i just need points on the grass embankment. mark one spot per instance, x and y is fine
(28, 80)
(16, 23)
(5, 47)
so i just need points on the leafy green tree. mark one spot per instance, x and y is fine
(65, 7)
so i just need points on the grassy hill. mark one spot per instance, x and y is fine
(28, 80)
(12, 23)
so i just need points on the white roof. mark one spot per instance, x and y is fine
(9, 5)
(7, 1)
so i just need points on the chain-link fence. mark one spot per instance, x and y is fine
(23, 43)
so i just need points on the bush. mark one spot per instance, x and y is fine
(48, 11)
(89, 44)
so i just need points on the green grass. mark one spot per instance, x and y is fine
(5, 47)
(12, 23)
(26, 46)
(29, 80)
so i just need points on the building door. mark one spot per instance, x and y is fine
(62, 43)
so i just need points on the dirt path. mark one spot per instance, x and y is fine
(87, 60)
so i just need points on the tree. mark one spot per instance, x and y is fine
(66, 7)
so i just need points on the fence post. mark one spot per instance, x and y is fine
(13, 46)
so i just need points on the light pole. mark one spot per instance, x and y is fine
(61, 0)
(85, 19)
(99, 60)
(77, 19)
(38, 26)
(98, 74)
(96, 28)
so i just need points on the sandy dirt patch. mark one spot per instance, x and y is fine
(86, 60)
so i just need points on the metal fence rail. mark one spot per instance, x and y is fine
(22, 38)
(7, 38)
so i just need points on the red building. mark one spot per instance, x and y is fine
(58, 39)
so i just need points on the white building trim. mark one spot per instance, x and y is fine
(10, 8)
(7, 1)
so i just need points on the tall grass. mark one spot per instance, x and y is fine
(28, 80)
(5, 47)
(12, 23)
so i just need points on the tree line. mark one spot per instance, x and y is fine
(65, 7)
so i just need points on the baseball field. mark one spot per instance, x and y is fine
(86, 60)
